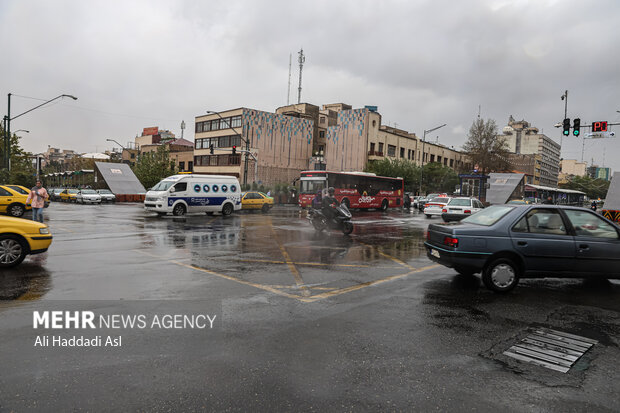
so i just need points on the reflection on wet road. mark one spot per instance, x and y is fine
(119, 251)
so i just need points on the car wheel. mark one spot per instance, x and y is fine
(12, 251)
(227, 209)
(16, 210)
(265, 208)
(179, 210)
(384, 205)
(501, 275)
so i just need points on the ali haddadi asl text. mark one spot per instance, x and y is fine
(78, 341)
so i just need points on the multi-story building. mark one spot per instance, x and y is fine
(528, 164)
(525, 139)
(570, 168)
(597, 172)
(304, 136)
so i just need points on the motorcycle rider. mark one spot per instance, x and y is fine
(317, 201)
(593, 205)
(329, 204)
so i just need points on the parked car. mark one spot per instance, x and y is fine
(12, 203)
(106, 195)
(510, 242)
(87, 196)
(20, 237)
(458, 208)
(256, 200)
(415, 201)
(55, 194)
(435, 206)
(68, 195)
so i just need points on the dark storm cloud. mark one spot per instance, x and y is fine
(423, 63)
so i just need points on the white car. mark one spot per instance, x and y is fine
(106, 195)
(460, 207)
(435, 206)
(87, 196)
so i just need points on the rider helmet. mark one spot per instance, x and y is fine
(331, 190)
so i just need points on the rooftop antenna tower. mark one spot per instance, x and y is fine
(301, 61)
(182, 128)
(288, 95)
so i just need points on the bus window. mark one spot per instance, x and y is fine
(312, 186)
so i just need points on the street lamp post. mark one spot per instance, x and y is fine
(423, 142)
(247, 149)
(7, 123)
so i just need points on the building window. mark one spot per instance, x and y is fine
(321, 134)
(235, 121)
(372, 148)
(391, 151)
(190, 166)
(402, 152)
(322, 119)
(374, 123)
(432, 158)
(321, 148)
(451, 163)
(380, 148)
(181, 166)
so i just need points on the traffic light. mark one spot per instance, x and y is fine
(566, 125)
(576, 126)
(211, 149)
(234, 149)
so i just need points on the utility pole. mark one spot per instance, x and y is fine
(288, 93)
(565, 99)
(301, 61)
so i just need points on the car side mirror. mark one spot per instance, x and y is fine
(172, 190)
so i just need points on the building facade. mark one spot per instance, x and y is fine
(525, 139)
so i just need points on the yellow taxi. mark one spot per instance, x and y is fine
(25, 191)
(20, 237)
(13, 202)
(256, 200)
(69, 195)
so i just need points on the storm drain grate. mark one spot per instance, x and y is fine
(552, 349)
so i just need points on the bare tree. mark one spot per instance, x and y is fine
(486, 148)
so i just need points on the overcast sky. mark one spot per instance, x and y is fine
(134, 64)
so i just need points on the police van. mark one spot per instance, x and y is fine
(181, 194)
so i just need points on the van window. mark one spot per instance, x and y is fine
(162, 186)
(180, 187)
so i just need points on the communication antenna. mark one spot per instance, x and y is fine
(301, 61)
(182, 128)
(288, 95)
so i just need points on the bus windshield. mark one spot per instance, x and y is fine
(312, 186)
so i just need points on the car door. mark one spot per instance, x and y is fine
(180, 191)
(5, 199)
(542, 238)
(597, 243)
(253, 200)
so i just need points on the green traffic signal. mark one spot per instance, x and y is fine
(576, 126)
(566, 127)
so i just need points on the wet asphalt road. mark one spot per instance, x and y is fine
(306, 321)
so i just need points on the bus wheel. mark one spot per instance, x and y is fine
(178, 210)
(384, 205)
(227, 209)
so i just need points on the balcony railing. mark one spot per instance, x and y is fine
(375, 153)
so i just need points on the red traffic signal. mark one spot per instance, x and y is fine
(234, 150)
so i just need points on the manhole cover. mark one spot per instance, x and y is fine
(552, 349)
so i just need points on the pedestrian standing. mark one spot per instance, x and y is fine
(38, 195)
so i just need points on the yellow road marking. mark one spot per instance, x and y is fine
(228, 277)
(298, 280)
(396, 260)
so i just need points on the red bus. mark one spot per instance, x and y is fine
(355, 189)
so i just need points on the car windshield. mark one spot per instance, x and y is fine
(163, 186)
(459, 202)
(104, 191)
(72, 191)
(88, 191)
(440, 200)
(488, 216)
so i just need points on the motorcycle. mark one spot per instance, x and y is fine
(340, 221)
(593, 207)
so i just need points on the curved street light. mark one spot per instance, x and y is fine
(7, 124)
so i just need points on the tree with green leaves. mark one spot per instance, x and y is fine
(152, 167)
(486, 148)
(437, 177)
(593, 188)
